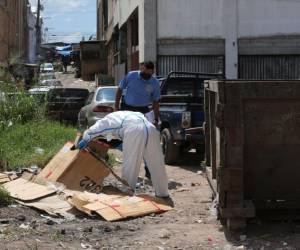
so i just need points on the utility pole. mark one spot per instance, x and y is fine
(38, 27)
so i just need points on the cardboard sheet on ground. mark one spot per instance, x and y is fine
(77, 170)
(53, 205)
(25, 190)
(4, 178)
(117, 206)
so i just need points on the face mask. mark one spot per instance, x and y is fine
(145, 76)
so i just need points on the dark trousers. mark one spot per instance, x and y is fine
(142, 110)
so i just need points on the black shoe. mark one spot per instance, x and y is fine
(167, 199)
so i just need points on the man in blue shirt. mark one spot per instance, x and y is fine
(140, 90)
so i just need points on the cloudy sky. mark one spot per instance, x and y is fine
(68, 20)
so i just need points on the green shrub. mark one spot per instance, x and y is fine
(5, 198)
(20, 143)
(18, 107)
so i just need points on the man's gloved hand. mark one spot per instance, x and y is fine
(82, 144)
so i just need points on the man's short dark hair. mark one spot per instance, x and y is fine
(148, 65)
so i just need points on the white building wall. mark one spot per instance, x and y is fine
(268, 17)
(211, 22)
(190, 18)
(125, 9)
(206, 18)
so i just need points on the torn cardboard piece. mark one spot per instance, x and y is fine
(53, 205)
(77, 170)
(4, 178)
(113, 207)
(25, 190)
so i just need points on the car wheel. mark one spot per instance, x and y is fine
(170, 150)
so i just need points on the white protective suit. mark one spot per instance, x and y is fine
(141, 140)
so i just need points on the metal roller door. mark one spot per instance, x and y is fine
(206, 64)
(269, 67)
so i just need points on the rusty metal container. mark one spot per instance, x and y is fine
(252, 134)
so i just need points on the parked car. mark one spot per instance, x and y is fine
(51, 83)
(64, 104)
(99, 104)
(46, 67)
(39, 93)
(46, 76)
(182, 113)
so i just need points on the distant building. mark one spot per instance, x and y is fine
(257, 39)
(17, 32)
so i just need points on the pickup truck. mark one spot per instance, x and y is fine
(182, 113)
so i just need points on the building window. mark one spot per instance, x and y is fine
(135, 30)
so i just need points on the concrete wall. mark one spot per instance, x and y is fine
(268, 17)
(125, 9)
(147, 24)
(206, 18)
(213, 27)
(31, 56)
(190, 18)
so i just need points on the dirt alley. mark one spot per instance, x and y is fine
(191, 225)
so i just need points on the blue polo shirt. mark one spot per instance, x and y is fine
(139, 92)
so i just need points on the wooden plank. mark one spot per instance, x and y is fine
(236, 223)
(212, 182)
(230, 179)
(245, 211)
(207, 128)
(213, 141)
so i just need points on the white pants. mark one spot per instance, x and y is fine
(141, 142)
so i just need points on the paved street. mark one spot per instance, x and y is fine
(69, 81)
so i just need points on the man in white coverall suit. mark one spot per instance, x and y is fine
(141, 140)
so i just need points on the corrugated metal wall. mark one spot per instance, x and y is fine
(206, 64)
(269, 67)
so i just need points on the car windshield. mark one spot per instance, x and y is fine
(106, 95)
(184, 87)
(48, 65)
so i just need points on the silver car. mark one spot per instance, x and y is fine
(99, 104)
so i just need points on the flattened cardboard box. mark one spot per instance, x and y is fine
(53, 205)
(77, 170)
(113, 207)
(25, 190)
(4, 178)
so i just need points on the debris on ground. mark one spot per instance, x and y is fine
(200, 172)
(66, 186)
